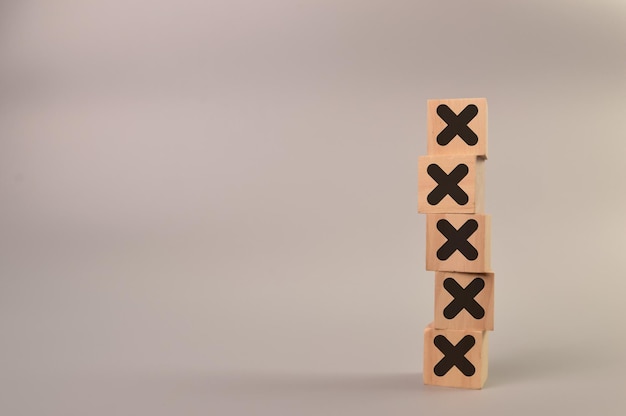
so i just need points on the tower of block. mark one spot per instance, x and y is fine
(458, 242)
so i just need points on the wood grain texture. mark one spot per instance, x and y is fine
(465, 318)
(477, 356)
(478, 124)
(457, 261)
(472, 184)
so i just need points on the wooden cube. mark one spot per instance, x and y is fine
(457, 127)
(455, 358)
(458, 242)
(464, 301)
(450, 184)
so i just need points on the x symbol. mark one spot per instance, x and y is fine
(457, 239)
(464, 298)
(447, 184)
(454, 355)
(457, 125)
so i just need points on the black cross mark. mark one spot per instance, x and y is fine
(457, 125)
(464, 298)
(447, 184)
(454, 355)
(457, 239)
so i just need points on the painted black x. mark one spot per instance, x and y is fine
(447, 184)
(464, 298)
(454, 355)
(457, 124)
(457, 239)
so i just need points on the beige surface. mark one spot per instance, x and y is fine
(477, 355)
(479, 125)
(464, 320)
(472, 184)
(208, 208)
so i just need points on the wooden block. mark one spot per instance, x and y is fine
(464, 301)
(457, 127)
(450, 184)
(455, 358)
(458, 242)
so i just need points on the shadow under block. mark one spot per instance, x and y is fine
(458, 243)
(464, 301)
(457, 127)
(450, 184)
(455, 358)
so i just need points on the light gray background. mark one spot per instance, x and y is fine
(210, 207)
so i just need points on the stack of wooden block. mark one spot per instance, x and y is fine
(458, 243)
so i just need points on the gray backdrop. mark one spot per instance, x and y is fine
(209, 208)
